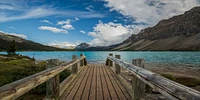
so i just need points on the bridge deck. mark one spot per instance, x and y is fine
(95, 82)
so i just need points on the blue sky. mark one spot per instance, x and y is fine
(97, 22)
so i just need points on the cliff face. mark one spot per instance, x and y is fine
(180, 32)
(22, 44)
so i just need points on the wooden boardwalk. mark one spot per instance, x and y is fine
(95, 82)
(98, 82)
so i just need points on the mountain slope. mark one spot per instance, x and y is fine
(180, 32)
(23, 45)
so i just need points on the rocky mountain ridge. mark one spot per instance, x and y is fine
(180, 32)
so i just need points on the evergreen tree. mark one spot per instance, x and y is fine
(12, 48)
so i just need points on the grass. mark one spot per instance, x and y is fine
(13, 68)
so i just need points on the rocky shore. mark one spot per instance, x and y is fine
(186, 74)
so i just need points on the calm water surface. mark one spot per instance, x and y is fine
(92, 56)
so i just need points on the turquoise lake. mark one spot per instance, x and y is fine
(100, 56)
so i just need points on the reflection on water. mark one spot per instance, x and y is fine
(94, 56)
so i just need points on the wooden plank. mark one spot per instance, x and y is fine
(65, 83)
(106, 93)
(93, 90)
(77, 85)
(122, 87)
(119, 92)
(99, 85)
(79, 93)
(87, 88)
(111, 89)
(68, 90)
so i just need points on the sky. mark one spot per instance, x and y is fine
(66, 23)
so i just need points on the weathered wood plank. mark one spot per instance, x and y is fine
(93, 89)
(77, 85)
(79, 92)
(99, 85)
(70, 87)
(120, 94)
(65, 83)
(87, 88)
(106, 93)
(111, 89)
(121, 84)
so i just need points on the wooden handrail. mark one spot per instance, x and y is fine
(170, 89)
(16, 89)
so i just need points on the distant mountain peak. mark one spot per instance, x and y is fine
(82, 46)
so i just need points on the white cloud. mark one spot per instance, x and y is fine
(46, 21)
(68, 21)
(76, 18)
(66, 24)
(82, 31)
(24, 9)
(64, 44)
(151, 11)
(90, 8)
(15, 34)
(53, 29)
(68, 27)
(105, 34)
(6, 7)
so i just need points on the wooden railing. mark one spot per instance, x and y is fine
(141, 77)
(50, 76)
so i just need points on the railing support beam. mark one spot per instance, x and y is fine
(75, 66)
(52, 85)
(138, 87)
(117, 67)
(110, 63)
(82, 61)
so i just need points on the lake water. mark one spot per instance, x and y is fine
(100, 56)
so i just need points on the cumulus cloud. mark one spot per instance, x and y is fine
(150, 11)
(82, 31)
(46, 21)
(53, 29)
(15, 34)
(66, 24)
(106, 34)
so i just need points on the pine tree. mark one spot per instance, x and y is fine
(12, 48)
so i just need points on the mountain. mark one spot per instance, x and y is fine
(24, 45)
(82, 46)
(180, 32)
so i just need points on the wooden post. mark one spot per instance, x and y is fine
(117, 67)
(75, 66)
(110, 63)
(52, 85)
(82, 61)
(138, 87)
